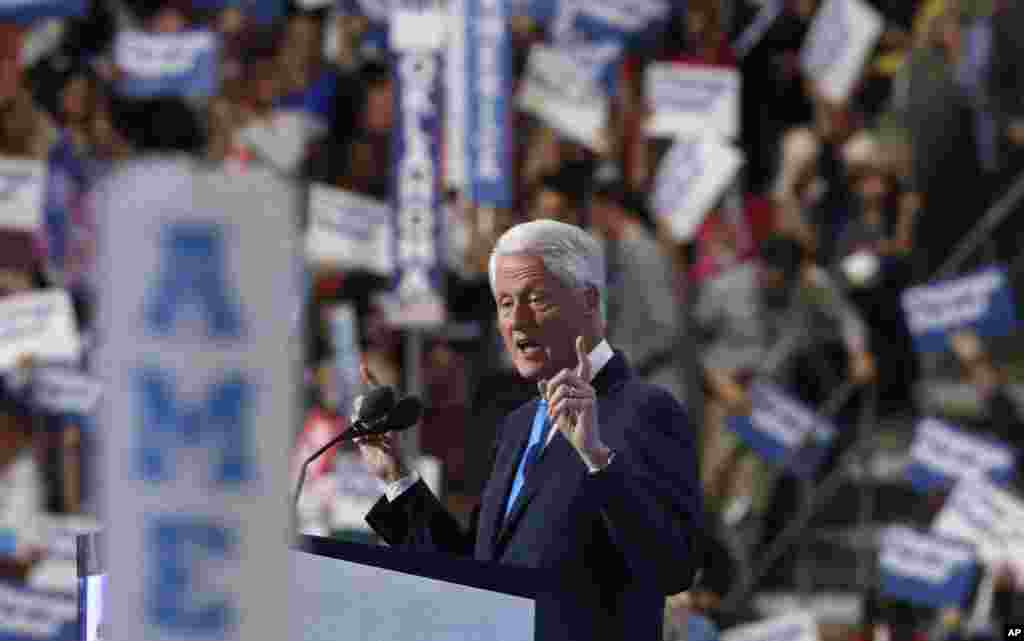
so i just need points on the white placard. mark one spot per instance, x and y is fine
(456, 99)
(565, 95)
(201, 375)
(154, 55)
(417, 30)
(694, 173)
(65, 391)
(41, 324)
(349, 231)
(842, 35)
(21, 193)
(990, 518)
(687, 100)
(799, 626)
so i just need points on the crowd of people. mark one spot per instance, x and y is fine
(773, 284)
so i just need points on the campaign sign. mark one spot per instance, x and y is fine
(924, 569)
(167, 64)
(687, 100)
(488, 89)
(982, 302)
(417, 39)
(691, 178)
(942, 454)
(799, 626)
(842, 35)
(200, 369)
(38, 323)
(21, 193)
(349, 231)
(982, 514)
(604, 20)
(26, 11)
(62, 390)
(345, 342)
(34, 615)
(784, 431)
(565, 95)
(457, 76)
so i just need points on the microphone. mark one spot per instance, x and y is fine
(378, 414)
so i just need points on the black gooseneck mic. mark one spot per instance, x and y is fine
(378, 414)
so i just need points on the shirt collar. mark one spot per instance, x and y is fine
(599, 357)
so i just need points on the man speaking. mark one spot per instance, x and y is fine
(595, 480)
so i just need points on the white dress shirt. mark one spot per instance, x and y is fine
(599, 357)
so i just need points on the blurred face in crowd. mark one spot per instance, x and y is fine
(167, 20)
(9, 79)
(263, 84)
(379, 105)
(553, 205)
(302, 38)
(76, 100)
(871, 185)
(540, 316)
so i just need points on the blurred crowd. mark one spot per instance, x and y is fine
(794, 274)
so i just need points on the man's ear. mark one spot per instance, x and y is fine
(592, 300)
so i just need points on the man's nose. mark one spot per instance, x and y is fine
(522, 315)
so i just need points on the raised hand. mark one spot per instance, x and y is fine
(572, 405)
(381, 453)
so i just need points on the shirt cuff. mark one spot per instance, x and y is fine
(595, 469)
(395, 489)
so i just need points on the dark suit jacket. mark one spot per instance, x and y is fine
(617, 541)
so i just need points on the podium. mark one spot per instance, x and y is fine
(343, 590)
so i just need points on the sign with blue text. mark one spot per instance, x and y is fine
(34, 615)
(21, 193)
(986, 516)
(201, 375)
(842, 35)
(604, 20)
(40, 324)
(167, 64)
(798, 626)
(783, 430)
(488, 87)
(942, 454)
(982, 302)
(417, 39)
(692, 177)
(349, 231)
(26, 11)
(687, 100)
(925, 570)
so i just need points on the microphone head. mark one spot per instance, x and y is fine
(377, 403)
(406, 413)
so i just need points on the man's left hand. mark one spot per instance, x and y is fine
(572, 405)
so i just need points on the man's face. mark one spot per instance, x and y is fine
(539, 316)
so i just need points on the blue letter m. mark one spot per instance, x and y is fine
(221, 422)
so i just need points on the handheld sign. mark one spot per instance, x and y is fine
(799, 626)
(784, 431)
(167, 64)
(61, 390)
(981, 301)
(458, 72)
(21, 193)
(35, 615)
(689, 100)
(605, 20)
(565, 95)
(692, 176)
(39, 323)
(941, 455)
(24, 12)
(349, 231)
(842, 35)
(982, 514)
(924, 569)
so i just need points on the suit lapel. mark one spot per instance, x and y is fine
(558, 455)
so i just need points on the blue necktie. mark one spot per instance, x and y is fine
(533, 449)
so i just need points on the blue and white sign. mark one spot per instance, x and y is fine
(925, 570)
(567, 95)
(26, 11)
(688, 100)
(417, 39)
(604, 20)
(201, 374)
(942, 454)
(349, 231)
(167, 64)
(63, 390)
(34, 615)
(345, 342)
(488, 87)
(989, 517)
(21, 193)
(798, 626)
(692, 176)
(982, 302)
(457, 78)
(38, 323)
(842, 35)
(784, 431)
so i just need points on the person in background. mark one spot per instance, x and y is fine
(561, 196)
(642, 316)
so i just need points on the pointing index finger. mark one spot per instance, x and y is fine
(583, 369)
(368, 378)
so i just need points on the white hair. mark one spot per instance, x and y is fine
(569, 253)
